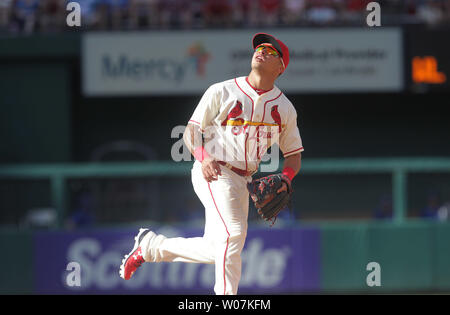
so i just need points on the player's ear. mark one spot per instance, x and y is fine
(281, 71)
(281, 67)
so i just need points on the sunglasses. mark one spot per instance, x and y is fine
(269, 50)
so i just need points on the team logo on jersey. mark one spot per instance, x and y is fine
(235, 112)
(199, 56)
(276, 116)
(233, 120)
(239, 125)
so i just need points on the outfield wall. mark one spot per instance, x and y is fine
(319, 258)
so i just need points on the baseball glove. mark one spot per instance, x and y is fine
(268, 202)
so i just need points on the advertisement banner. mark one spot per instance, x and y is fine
(177, 63)
(273, 261)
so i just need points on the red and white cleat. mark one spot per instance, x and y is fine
(135, 258)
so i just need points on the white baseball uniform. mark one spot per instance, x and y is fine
(242, 124)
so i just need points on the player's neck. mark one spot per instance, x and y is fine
(261, 82)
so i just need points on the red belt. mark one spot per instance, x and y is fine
(236, 170)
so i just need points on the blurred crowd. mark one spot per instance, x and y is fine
(435, 208)
(27, 16)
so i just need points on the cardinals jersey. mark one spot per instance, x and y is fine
(239, 126)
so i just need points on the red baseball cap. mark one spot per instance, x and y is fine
(261, 38)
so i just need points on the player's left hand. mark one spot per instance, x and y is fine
(270, 194)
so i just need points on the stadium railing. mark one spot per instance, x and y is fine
(58, 174)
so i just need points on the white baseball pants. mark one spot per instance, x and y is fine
(226, 203)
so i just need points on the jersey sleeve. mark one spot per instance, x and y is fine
(290, 140)
(207, 109)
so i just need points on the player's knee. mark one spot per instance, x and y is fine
(237, 237)
(229, 238)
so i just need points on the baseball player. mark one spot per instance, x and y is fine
(232, 127)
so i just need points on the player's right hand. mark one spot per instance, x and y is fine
(210, 169)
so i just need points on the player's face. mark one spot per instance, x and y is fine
(268, 58)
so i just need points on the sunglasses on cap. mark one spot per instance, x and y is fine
(269, 49)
